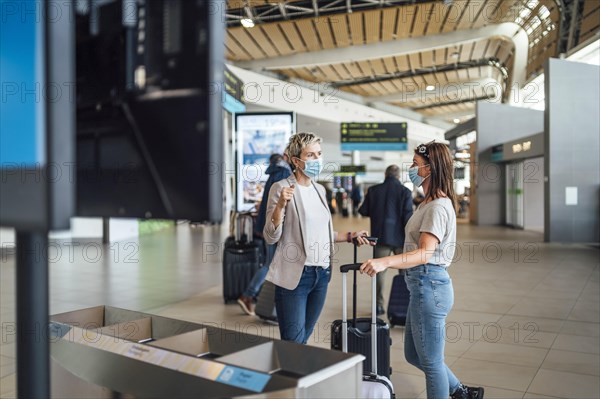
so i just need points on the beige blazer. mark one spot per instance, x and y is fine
(290, 256)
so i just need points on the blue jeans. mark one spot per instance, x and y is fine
(258, 279)
(431, 298)
(298, 310)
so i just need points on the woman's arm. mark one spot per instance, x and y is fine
(273, 220)
(427, 244)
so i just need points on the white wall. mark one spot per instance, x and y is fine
(91, 228)
(330, 132)
(80, 228)
(276, 94)
(572, 140)
(497, 124)
(7, 237)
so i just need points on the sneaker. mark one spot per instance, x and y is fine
(247, 305)
(380, 310)
(465, 392)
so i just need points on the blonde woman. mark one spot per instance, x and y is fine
(299, 222)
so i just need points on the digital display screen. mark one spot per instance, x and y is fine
(259, 135)
(373, 136)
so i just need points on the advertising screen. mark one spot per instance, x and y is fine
(259, 135)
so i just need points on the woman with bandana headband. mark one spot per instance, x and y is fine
(428, 251)
(299, 221)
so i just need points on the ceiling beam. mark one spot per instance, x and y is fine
(493, 62)
(313, 8)
(283, 11)
(507, 31)
(456, 102)
(396, 110)
(454, 91)
(267, 91)
(378, 50)
(451, 115)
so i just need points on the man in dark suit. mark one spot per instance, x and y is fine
(389, 205)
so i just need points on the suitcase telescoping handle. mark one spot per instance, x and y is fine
(344, 269)
(372, 240)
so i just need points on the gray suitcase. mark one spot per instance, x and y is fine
(374, 385)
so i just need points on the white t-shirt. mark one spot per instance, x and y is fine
(316, 227)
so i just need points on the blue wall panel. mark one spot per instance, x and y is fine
(22, 119)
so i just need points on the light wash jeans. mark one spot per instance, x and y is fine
(258, 279)
(298, 310)
(431, 298)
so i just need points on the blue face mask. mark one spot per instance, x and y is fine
(413, 175)
(312, 168)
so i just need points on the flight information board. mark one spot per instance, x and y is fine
(356, 169)
(373, 136)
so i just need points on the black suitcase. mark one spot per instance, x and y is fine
(359, 341)
(374, 384)
(240, 262)
(244, 233)
(265, 303)
(359, 334)
(398, 303)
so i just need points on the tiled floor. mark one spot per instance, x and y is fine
(525, 323)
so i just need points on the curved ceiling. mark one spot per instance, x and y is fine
(314, 33)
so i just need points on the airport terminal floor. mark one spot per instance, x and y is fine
(525, 322)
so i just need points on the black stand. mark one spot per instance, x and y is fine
(33, 360)
(105, 230)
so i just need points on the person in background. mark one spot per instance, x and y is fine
(464, 206)
(389, 205)
(329, 197)
(357, 196)
(299, 222)
(428, 251)
(341, 202)
(278, 169)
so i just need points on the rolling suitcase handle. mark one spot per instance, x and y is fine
(344, 269)
(355, 243)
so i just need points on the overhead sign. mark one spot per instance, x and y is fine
(498, 153)
(344, 174)
(526, 147)
(233, 92)
(356, 169)
(373, 136)
(523, 148)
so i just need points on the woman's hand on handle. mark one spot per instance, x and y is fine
(373, 266)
